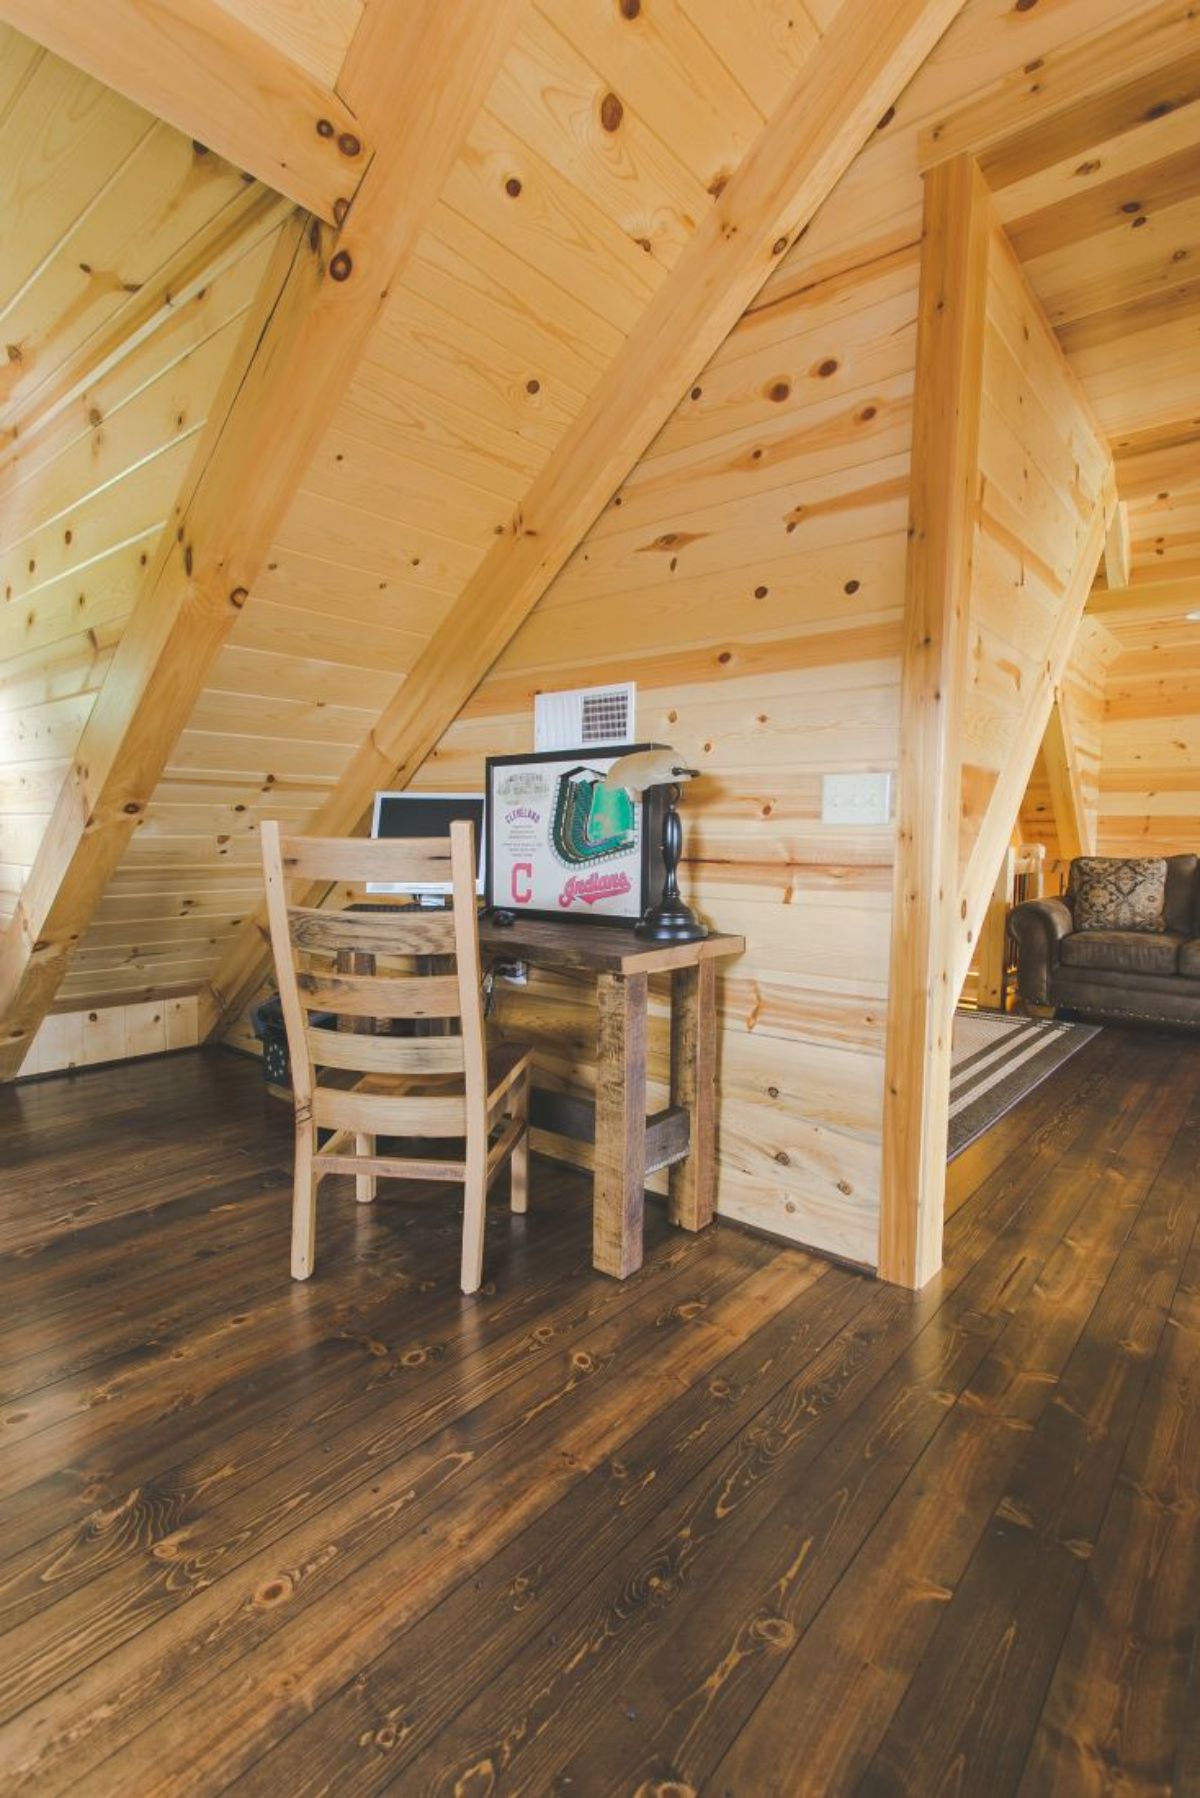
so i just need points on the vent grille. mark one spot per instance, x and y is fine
(588, 715)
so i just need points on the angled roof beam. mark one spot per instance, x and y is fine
(851, 78)
(1117, 549)
(427, 67)
(206, 72)
(1071, 820)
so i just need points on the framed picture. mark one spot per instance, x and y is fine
(562, 845)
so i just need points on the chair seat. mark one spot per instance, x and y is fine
(506, 1062)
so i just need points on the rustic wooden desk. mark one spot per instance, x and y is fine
(626, 1144)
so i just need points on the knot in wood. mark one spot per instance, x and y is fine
(611, 112)
(341, 266)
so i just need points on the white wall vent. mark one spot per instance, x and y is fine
(586, 715)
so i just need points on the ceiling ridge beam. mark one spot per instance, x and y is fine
(848, 82)
(216, 79)
(298, 347)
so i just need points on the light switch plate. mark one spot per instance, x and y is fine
(856, 799)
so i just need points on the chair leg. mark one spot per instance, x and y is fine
(364, 1184)
(304, 1202)
(518, 1175)
(474, 1214)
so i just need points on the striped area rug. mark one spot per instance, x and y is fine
(996, 1060)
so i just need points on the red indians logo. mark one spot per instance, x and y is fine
(593, 887)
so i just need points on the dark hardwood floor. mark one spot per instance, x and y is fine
(744, 1524)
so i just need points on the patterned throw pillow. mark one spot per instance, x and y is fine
(1119, 895)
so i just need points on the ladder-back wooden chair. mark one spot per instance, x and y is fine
(374, 968)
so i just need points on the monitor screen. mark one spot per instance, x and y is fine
(426, 815)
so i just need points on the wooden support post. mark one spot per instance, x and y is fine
(943, 506)
(620, 1162)
(993, 939)
(694, 1090)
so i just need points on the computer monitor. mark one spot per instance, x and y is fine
(427, 815)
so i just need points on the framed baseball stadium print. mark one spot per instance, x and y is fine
(562, 844)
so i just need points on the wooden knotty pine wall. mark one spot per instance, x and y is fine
(1150, 761)
(749, 576)
(101, 1033)
(105, 386)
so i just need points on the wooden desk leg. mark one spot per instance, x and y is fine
(694, 1086)
(620, 1164)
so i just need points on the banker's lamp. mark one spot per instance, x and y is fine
(670, 921)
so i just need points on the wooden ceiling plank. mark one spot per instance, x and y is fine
(831, 109)
(188, 273)
(1118, 268)
(1124, 202)
(1172, 469)
(210, 75)
(1146, 141)
(1079, 94)
(420, 75)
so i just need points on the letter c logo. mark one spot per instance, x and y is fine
(522, 882)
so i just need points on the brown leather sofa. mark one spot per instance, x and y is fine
(1123, 975)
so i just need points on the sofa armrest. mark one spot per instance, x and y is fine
(1038, 927)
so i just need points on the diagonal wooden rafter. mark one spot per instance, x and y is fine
(1117, 551)
(212, 76)
(1005, 803)
(1060, 755)
(851, 78)
(419, 72)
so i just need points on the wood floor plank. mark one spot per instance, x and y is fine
(457, 1492)
(746, 1523)
(750, 1548)
(974, 1700)
(1122, 1695)
(837, 1690)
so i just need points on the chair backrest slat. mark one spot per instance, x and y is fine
(410, 932)
(388, 860)
(379, 996)
(386, 1054)
(383, 1115)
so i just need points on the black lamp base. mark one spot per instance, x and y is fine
(670, 922)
